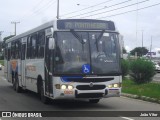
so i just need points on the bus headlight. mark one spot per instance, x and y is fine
(110, 86)
(63, 87)
(70, 87)
(115, 85)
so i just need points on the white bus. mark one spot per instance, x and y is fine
(66, 59)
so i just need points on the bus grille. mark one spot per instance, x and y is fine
(86, 80)
(89, 95)
(87, 87)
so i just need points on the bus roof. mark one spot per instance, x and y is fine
(78, 24)
(41, 27)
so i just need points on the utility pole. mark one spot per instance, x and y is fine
(15, 24)
(57, 9)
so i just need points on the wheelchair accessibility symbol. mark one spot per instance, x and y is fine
(86, 68)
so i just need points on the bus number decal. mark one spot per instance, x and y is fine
(31, 68)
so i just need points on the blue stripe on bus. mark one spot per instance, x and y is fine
(66, 79)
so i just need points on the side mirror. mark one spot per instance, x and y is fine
(51, 43)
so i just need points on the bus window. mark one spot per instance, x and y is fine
(40, 44)
(33, 46)
(17, 49)
(12, 50)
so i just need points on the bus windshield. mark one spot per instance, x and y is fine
(96, 51)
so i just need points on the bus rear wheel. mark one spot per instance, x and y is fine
(94, 100)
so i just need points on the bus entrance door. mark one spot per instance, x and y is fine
(48, 69)
(23, 69)
(9, 73)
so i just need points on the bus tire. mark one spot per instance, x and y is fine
(39, 79)
(17, 87)
(44, 99)
(94, 100)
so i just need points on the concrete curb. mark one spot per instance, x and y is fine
(144, 98)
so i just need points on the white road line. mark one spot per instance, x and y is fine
(127, 118)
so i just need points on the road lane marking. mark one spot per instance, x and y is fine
(127, 118)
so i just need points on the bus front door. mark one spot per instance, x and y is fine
(23, 69)
(48, 69)
(9, 74)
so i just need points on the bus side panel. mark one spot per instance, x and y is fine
(34, 67)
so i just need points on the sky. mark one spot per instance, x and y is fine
(136, 26)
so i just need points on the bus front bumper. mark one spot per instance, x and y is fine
(87, 94)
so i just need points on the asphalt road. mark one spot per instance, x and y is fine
(28, 101)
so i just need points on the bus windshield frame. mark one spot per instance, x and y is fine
(98, 50)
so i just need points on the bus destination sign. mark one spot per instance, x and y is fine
(80, 24)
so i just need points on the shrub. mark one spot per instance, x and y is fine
(124, 67)
(142, 71)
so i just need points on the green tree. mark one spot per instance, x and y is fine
(124, 67)
(6, 38)
(2, 45)
(142, 71)
(140, 51)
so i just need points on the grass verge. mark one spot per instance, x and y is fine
(149, 89)
(2, 62)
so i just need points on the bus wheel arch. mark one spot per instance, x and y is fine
(41, 93)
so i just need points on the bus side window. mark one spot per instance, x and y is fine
(5, 52)
(33, 46)
(17, 49)
(13, 50)
(40, 44)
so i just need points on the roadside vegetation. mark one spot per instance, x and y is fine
(147, 89)
(140, 73)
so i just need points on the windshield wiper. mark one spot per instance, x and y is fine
(97, 39)
(77, 36)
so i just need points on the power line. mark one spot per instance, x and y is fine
(130, 11)
(116, 9)
(86, 8)
(45, 7)
(32, 8)
(101, 8)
